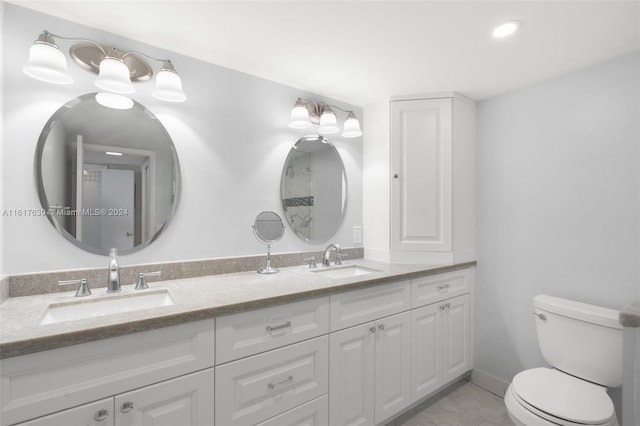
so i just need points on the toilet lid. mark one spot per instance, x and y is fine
(564, 396)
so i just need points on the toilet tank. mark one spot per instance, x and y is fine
(580, 339)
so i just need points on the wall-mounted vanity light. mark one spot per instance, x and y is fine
(305, 113)
(116, 69)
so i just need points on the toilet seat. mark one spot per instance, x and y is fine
(561, 398)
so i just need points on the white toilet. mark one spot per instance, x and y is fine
(583, 344)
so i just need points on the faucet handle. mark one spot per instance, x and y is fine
(83, 289)
(312, 262)
(339, 256)
(142, 279)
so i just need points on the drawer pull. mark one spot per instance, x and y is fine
(443, 287)
(278, 327)
(272, 386)
(101, 415)
(372, 329)
(126, 407)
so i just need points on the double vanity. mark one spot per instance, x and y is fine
(358, 343)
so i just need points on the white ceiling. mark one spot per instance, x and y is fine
(363, 51)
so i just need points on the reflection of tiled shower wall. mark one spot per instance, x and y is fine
(298, 198)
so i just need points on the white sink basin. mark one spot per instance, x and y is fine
(113, 304)
(344, 271)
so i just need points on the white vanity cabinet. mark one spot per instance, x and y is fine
(184, 401)
(370, 363)
(432, 179)
(440, 330)
(272, 363)
(43, 383)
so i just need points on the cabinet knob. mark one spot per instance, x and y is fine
(381, 326)
(396, 176)
(101, 415)
(126, 407)
(372, 329)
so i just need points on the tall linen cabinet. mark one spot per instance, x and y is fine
(419, 178)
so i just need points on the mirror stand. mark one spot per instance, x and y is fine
(267, 268)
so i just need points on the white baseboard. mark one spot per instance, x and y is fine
(489, 382)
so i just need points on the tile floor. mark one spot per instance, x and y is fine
(463, 404)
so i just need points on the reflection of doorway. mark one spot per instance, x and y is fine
(114, 196)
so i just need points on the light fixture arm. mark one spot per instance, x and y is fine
(48, 38)
(167, 65)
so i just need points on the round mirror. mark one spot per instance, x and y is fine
(268, 228)
(107, 178)
(313, 189)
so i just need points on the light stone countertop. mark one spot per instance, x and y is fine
(195, 299)
(630, 315)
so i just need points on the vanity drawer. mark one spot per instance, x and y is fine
(252, 332)
(257, 388)
(45, 382)
(314, 413)
(434, 288)
(368, 304)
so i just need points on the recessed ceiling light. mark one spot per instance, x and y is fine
(506, 29)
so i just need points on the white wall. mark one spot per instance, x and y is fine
(376, 182)
(558, 205)
(231, 137)
(2, 289)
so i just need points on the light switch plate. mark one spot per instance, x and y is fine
(357, 235)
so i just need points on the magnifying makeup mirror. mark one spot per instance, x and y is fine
(268, 228)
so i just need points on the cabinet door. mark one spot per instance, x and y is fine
(421, 161)
(185, 401)
(351, 376)
(99, 413)
(392, 365)
(426, 350)
(455, 326)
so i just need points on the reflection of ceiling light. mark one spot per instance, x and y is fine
(117, 154)
(114, 100)
(506, 29)
(116, 69)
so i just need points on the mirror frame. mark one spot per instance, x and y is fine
(345, 204)
(44, 134)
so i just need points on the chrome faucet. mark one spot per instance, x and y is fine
(113, 279)
(327, 253)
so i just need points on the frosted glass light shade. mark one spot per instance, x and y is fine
(351, 127)
(328, 123)
(299, 117)
(169, 87)
(47, 63)
(114, 76)
(114, 100)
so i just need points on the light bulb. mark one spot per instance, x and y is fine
(47, 63)
(299, 116)
(351, 127)
(169, 86)
(328, 123)
(114, 76)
